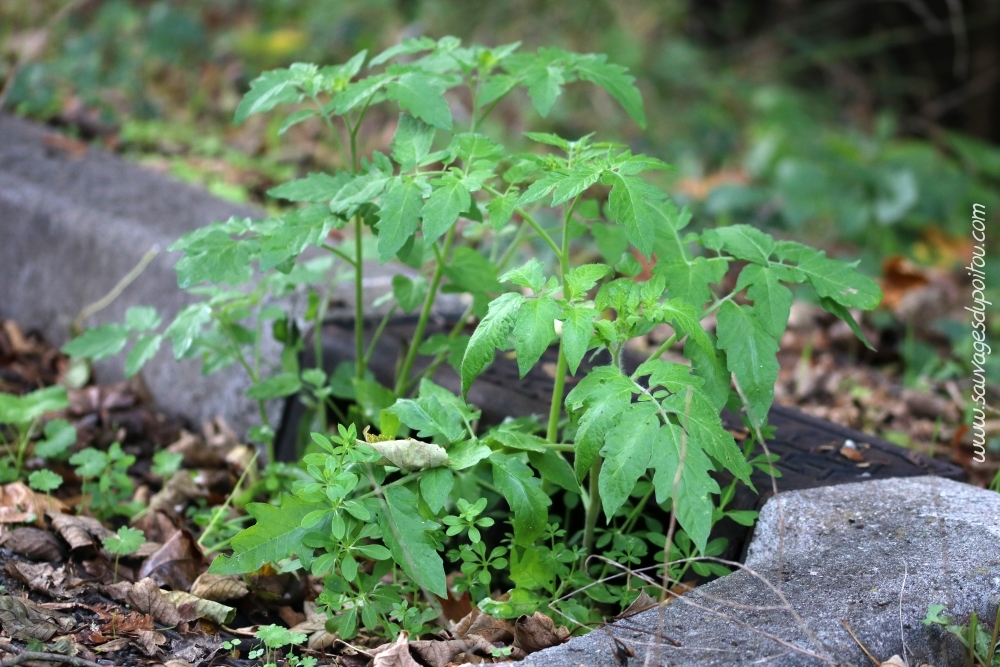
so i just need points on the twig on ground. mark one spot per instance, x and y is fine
(858, 642)
(21, 657)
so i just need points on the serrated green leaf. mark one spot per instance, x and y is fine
(435, 486)
(399, 216)
(772, 301)
(507, 436)
(412, 141)
(315, 187)
(530, 275)
(690, 280)
(704, 427)
(614, 79)
(142, 318)
(491, 333)
(549, 139)
(581, 279)
(692, 501)
(710, 366)
(552, 467)
(145, 348)
(674, 377)
(544, 83)
(501, 209)
(277, 534)
(469, 271)
(296, 118)
(100, 342)
(448, 200)
(575, 181)
(27, 408)
(534, 330)
(186, 326)
(741, 241)
(430, 417)
(632, 202)
(409, 292)
(839, 281)
(422, 95)
(406, 533)
(44, 480)
(358, 93)
(408, 46)
(686, 320)
(605, 393)
(470, 146)
(280, 385)
(834, 308)
(752, 355)
(524, 495)
(268, 91)
(358, 190)
(466, 454)
(627, 450)
(577, 330)
(288, 237)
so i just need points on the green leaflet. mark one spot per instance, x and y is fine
(277, 534)
(435, 486)
(633, 203)
(614, 79)
(710, 367)
(491, 333)
(412, 142)
(544, 84)
(145, 348)
(409, 292)
(772, 301)
(446, 203)
(578, 328)
(501, 209)
(422, 95)
(581, 279)
(575, 181)
(831, 306)
(405, 532)
(605, 393)
(534, 329)
(100, 342)
(471, 272)
(27, 408)
(551, 465)
(839, 281)
(740, 241)
(674, 377)
(752, 355)
(142, 318)
(690, 280)
(692, 501)
(282, 384)
(704, 428)
(430, 417)
(186, 326)
(530, 274)
(524, 495)
(315, 187)
(399, 215)
(627, 450)
(266, 92)
(687, 321)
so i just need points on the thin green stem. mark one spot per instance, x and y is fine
(318, 340)
(378, 332)
(425, 313)
(229, 499)
(636, 512)
(593, 508)
(359, 299)
(555, 409)
(339, 253)
(718, 302)
(530, 220)
(333, 130)
(664, 346)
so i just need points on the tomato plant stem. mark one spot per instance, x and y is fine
(593, 508)
(359, 302)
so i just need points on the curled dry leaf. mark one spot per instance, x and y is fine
(437, 653)
(147, 598)
(894, 661)
(114, 645)
(34, 544)
(408, 454)
(483, 625)
(179, 490)
(396, 654)
(641, 603)
(851, 452)
(149, 642)
(191, 607)
(195, 453)
(118, 591)
(177, 564)
(536, 632)
(80, 532)
(23, 619)
(43, 578)
(19, 504)
(219, 588)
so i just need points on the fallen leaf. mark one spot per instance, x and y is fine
(177, 564)
(150, 642)
(80, 532)
(44, 578)
(536, 632)
(894, 661)
(642, 602)
(23, 619)
(396, 654)
(439, 653)
(179, 490)
(147, 598)
(489, 628)
(851, 452)
(34, 544)
(219, 588)
(19, 504)
(196, 453)
(114, 645)
(191, 607)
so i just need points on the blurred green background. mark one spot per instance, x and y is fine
(867, 127)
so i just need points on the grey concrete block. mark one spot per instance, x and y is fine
(72, 226)
(875, 554)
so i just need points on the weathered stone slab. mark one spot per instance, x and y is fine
(875, 554)
(72, 225)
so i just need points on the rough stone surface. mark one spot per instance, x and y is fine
(847, 552)
(71, 226)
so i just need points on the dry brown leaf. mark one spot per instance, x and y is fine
(23, 619)
(80, 532)
(147, 598)
(489, 628)
(176, 493)
(396, 654)
(44, 578)
(439, 653)
(177, 564)
(190, 608)
(196, 453)
(219, 588)
(19, 504)
(118, 591)
(852, 453)
(177, 663)
(643, 602)
(34, 544)
(113, 646)
(536, 632)
(150, 642)
(894, 661)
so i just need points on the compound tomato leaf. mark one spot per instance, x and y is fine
(412, 141)
(752, 356)
(627, 450)
(268, 91)
(834, 308)
(523, 493)
(690, 280)
(772, 301)
(839, 281)
(633, 203)
(741, 241)
(491, 333)
(614, 79)
(277, 534)
(315, 187)
(704, 430)
(422, 95)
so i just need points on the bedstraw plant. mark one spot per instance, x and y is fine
(515, 507)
